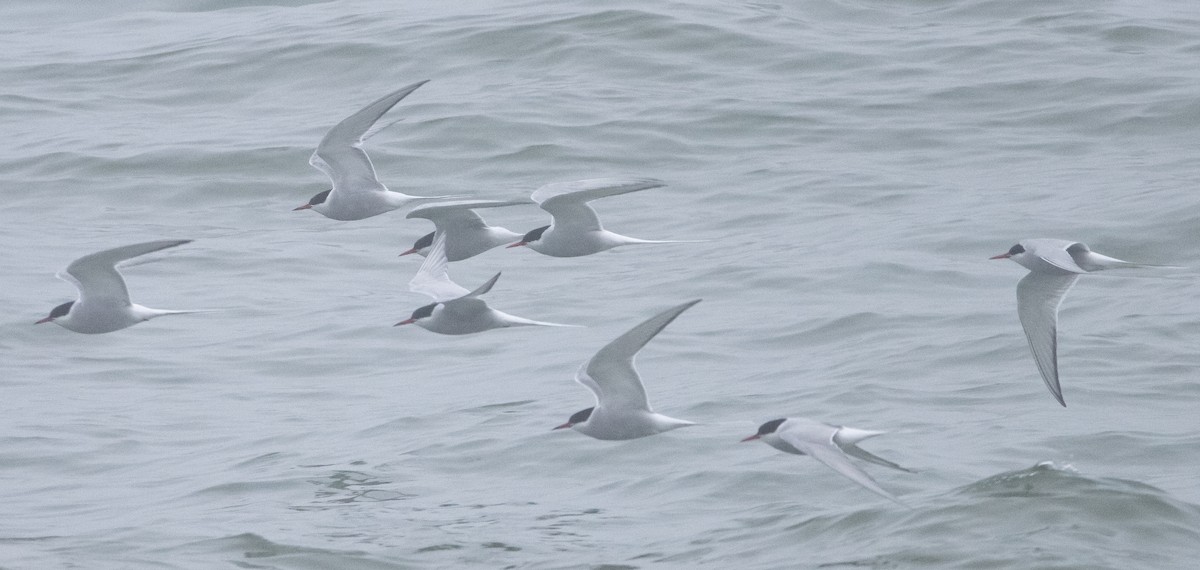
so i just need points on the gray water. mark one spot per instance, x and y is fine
(851, 165)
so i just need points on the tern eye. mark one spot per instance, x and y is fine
(1014, 250)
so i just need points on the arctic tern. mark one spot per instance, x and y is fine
(831, 445)
(1053, 265)
(103, 304)
(575, 228)
(455, 310)
(622, 410)
(357, 192)
(467, 235)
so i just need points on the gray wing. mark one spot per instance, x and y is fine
(433, 279)
(459, 215)
(340, 155)
(96, 275)
(567, 201)
(613, 376)
(487, 286)
(464, 308)
(1057, 252)
(816, 440)
(847, 439)
(1038, 298)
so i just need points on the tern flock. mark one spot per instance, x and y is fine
(622, 410)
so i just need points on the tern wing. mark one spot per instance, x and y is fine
(611, 370)
(816, 439)
(340, 155)
(433, 279)
(459, 215)
(847, 439)
(96, 275)
(464, 308)
(1038, 298)
(487, 286)
(1058, 253)
(567, 201)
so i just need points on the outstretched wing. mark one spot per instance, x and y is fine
(847, 439)
(459, 215)
(96, 275)
(1057, 252)
(816, 439)
(340, 155)
(1038, 297)
(611, 372)
(567, 201)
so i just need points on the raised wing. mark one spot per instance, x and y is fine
(567, 201)
(432, 278)
(96, 275)
(613, 376)
(487, 286)
(1038, 298)
(816, 439)
(340, 155)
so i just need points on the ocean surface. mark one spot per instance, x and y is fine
(849, 164)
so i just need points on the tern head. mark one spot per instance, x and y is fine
(577, 418)
(531, 236)
(421, 313)
(56, 312)
(316, 200)
(766, 429)
(424, 243)
(1015, 252)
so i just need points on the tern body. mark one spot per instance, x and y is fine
(575, 230)
(831, 445)
(1054, 265)
(357, 192)
(103, 304)
(467, 234)
(622, 410)
(456, 311)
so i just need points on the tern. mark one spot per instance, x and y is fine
(467, 235)
(831, 445)
(1053, 265)
(357, 192)
(575, 229)
(456, 310)
(103, 304)
(622, 410)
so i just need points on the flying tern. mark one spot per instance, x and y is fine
(831, 445)
(1053, 265)
(455, 310)
(467, 235)
(622, 410)
(575, 229)
(103, 304)
(357, 192)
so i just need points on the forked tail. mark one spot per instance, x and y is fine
(520, 322)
